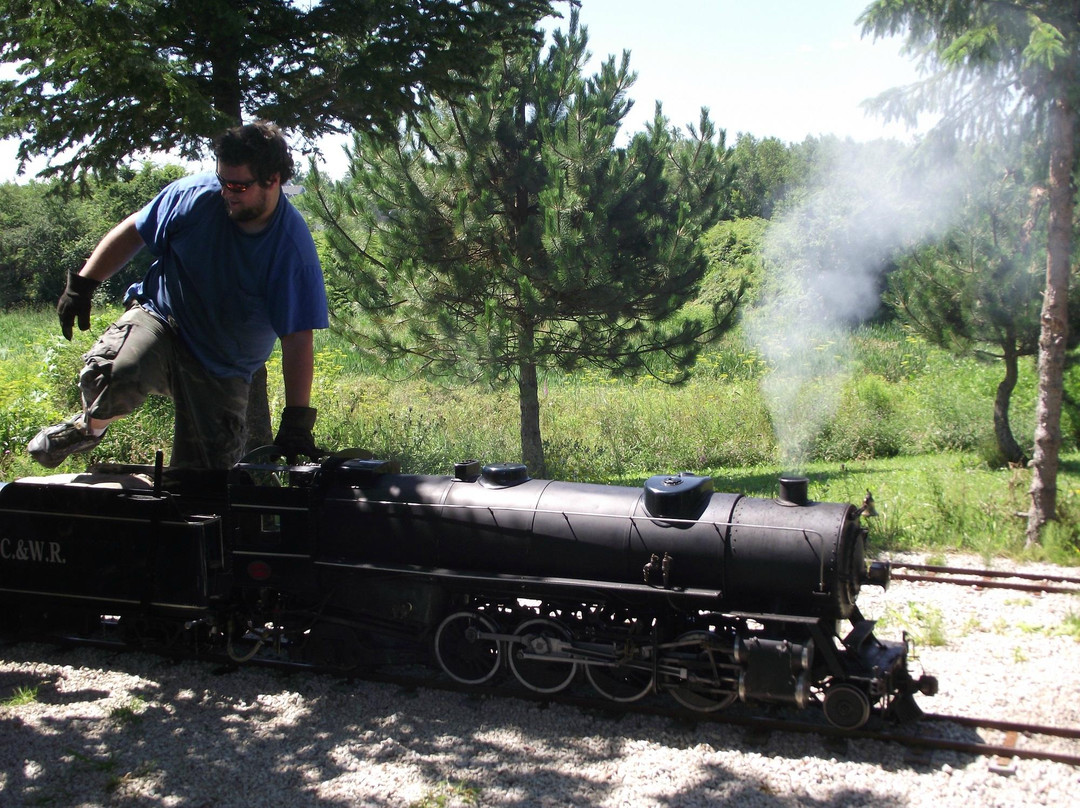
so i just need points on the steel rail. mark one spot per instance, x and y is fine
(988, 579)
(1005, 726)
(1028, 576)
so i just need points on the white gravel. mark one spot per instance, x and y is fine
(112, 729)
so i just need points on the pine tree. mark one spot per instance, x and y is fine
(513, 235)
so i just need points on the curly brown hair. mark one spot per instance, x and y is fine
(260, 146)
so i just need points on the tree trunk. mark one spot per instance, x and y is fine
(1007, 446)
(532, 446)
(1055, 322)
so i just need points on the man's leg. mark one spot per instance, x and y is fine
(125, 365)
(210, 417)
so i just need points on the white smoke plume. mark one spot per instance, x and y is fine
(825, 257)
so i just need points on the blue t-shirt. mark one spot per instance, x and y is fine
(229, 294)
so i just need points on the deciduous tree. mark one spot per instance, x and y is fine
(765, 170)
(43, 235)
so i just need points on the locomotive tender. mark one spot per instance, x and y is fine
(671, 588)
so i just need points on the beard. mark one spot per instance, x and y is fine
(252, 209)
(246, 213)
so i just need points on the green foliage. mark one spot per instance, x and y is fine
(894, 353)
(101, 81)
(601, 428)
(729, 359)
(527, 240)
(21, 697)
(446, 793)
(978, 290)
(46, 233)
(425, 427)
(926, 624)
(989, 66)
(30, 358)
(129, 712)
(42, 237)
(868, 422)
(980, 285)
(37, 388)
(941, 503)
(900, 398)
(1002, 71)
(1061, 537)
(1070, 626)
(733, 250)
(766, 170)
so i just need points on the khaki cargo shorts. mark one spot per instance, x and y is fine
(138, 356)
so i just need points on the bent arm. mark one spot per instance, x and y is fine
(113, 252)
(298, 367)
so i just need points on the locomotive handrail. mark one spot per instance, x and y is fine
(820, 556)
(515, 579)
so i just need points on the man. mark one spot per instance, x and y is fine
(235, 270)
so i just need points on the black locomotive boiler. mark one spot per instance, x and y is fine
(671, 588)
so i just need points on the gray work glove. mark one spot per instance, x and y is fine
(294, 436)
(75, 302)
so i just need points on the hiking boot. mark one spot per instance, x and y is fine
(52, 445)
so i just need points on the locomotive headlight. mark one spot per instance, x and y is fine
(259, 570)
(879, 574)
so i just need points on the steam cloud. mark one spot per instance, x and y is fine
(825, 258)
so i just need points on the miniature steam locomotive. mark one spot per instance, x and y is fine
(669, 588)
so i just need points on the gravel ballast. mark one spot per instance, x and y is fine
(110, 729)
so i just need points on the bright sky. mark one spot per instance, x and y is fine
(772, 68)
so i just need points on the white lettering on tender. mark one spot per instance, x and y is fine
(33, 550)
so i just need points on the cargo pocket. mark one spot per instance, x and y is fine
(108, 345)
(104, 393)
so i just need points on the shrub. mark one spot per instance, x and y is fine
(868, 422)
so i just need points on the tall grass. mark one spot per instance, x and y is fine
(913, 425)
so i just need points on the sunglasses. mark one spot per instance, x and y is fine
(235, 187)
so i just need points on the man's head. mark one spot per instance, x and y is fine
(252, 163)
(260, 146)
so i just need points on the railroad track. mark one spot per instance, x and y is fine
(1010, 747)
(987, 579)
(1016, 743)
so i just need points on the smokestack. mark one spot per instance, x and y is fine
(793, 489)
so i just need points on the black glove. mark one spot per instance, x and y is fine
(75, 302)
(294, 435)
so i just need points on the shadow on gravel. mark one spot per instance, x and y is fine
(28, 688)
(160, 733)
